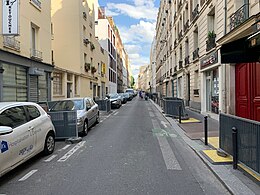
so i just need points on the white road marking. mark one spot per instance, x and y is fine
(151, 114)
(51, 158)
(164, 124)
(72, 151)
(28, 175)
(115, 114)
(64, 148)
(168, 155)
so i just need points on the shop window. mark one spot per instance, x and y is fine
(14, 83)
(57, 83)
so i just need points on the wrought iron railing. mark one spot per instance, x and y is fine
(175, 69)
(11, 42)
(195, 54)
(195, 13)
(239, 16)
(180, 35)
(35, 54)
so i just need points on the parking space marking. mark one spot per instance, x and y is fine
(64, 148)
(28, 175)
(71, 152)
(115, 113)
(151, 114)
(51, 158)
(164, 124)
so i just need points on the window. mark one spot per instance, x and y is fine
(196, 39)
(88, 105)
(57, 83)
(14, 83)
(90, 85)
(43, 87)
(13, 117)
(76, 83)
(196, 79)
(33, 112)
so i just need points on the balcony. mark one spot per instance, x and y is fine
(171, 71)
(239, 16)
(196, 54)
(36, 3)
(86, 41)
(11, 43)
(195, 13)
(187, 60)
(36, 55)
(175, 69)
(84, 15)
(180, 64)
(186, 26)
(211, 42)
(175, 43)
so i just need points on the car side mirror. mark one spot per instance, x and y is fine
(4, 130)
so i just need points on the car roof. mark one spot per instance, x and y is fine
(8, 104)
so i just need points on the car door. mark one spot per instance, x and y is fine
(18, 145)
(94, 108)
(89, 112)
(39, 125)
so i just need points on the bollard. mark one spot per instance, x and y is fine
(180, 114)
(234, 141)
(206, 129)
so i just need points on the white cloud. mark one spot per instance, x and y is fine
(132, 48)
(140, 10)
(142, 32)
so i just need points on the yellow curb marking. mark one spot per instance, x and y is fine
(191, 120)
(214, 141)
(252, 173)
(212, 154)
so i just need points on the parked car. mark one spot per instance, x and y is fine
(115, 100)
(87, 111)
(131, 92)
(25, 130)
(124, 97)
(128, 97)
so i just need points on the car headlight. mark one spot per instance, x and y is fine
(79, 121)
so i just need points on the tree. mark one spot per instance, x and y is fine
(132, 82)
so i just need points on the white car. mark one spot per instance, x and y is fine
(25, 130)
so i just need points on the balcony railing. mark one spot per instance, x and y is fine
(36, 3)
(186, 26)
(211, 43)
(187, 60)
(239, 16)
(196, 54)
(171, 71)
(195, 13)
(175, 69)
(12, 43)
(180, 64)
(175, 43)
(35, 54)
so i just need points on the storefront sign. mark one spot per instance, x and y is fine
(36, 71)
(10, 17)
(210, 59)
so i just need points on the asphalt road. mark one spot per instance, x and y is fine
(134, 150)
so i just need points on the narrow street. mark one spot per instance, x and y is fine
(133, 151)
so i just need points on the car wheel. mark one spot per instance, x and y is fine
(49, 144)
(98, 118)
(85, 128)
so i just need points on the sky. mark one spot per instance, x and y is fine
(136, 21)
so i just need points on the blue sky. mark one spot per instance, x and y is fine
(136, 20)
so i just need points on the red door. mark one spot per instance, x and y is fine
(242, 91)
(248, 90)
(256, 91)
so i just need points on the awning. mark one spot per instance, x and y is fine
(241, 51)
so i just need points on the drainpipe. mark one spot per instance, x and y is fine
(225, 17)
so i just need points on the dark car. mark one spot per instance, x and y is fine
(115, 100)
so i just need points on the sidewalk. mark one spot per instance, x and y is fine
(234, 180)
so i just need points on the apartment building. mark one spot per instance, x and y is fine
(194, 50)
(105, 32)
(80, 62)
(119, 51)
(25, 50)
(125, 69)
(144, 78)
(153, 66)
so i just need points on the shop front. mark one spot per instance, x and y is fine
(23, 79)
(209, 66)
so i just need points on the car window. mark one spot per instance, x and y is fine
(88, 104)
(33, 112)
(13, 117)
(68, 105)
(92, 102)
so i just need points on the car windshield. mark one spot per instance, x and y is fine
(114, 95)
(68, 105)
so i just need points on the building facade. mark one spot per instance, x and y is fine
(80, 62)
(25, 64)
(193, 58)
